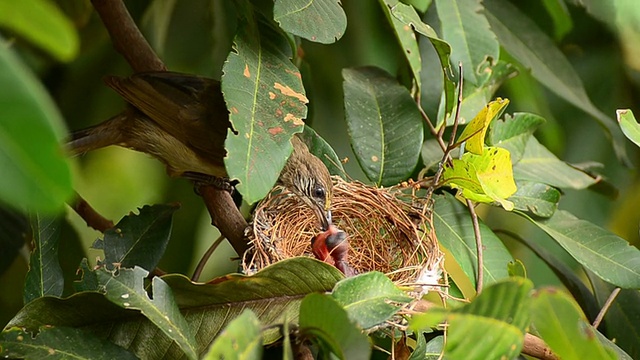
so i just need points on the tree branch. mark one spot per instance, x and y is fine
(90, 215)
(605, 307)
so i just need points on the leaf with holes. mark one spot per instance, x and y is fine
(474, 133)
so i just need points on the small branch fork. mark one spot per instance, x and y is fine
(130, 43)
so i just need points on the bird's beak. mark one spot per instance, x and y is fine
(323, 216)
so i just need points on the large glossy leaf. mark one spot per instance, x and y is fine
(126, 289)
(454, 229)
(58, 343)
(384, 124)
(370, 298)
(139, 240)
(465, 27)
(491, 327)
(610, 257)
(45, 274)
(521, 37)
(43, 24)
(406, 37)
(514, 133)
(273, 294)
(35, 174)
(239, 340)
(266, 101)
(562, 325)
(323, 318)
(540, 165)
(321, 21)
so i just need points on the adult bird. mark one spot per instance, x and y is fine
(182, 120)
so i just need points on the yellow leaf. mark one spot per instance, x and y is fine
(476, 130)
(483, 178)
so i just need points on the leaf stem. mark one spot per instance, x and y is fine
(203, 261)
(605, 307)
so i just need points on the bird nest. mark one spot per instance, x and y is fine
(388, 231)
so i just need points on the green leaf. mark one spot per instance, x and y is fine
(523, 40)
(629, 125)
(514, 133)
(483, 178)
(266, 101)
(322, 317)
(405, 35)
(42, 23)
(321, 21)
(58, 343)
(274, 294)
(241, 339)
(384, 124)
(126, 289)
(139, 240)
(408, 16)
(516, 268)
(622, 320)
(539, 165)
(560, 16)
(610, 257)
(465, 27)
(535, 198)
(562, 325)
(321, 148)
(454, 229)
(474, 133)
(370, 298)
(501, 310)
(35, 174)
(45, 274)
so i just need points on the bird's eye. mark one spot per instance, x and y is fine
(319, 193)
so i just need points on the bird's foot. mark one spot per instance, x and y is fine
(200, 179)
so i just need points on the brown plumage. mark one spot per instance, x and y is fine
(182, 120)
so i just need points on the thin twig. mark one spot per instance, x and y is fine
(203, 261)
(535, 347)
(478, 236)
(90, 215)
(606, 307)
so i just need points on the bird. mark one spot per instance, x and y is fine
(332, 246)
(182, 120)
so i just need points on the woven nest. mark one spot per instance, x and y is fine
(387, 231)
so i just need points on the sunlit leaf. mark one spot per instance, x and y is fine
(474, 133)
(502, 310)
(483, 178)
(370, 298)
(321, 21)
(562, 325)
(267, 102)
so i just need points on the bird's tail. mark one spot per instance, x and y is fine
(109, 132)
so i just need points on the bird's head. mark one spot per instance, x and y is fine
(306, 176)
